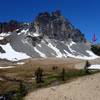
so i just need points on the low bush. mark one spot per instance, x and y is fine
(96, 49)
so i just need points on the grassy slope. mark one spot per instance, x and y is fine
(51, 77)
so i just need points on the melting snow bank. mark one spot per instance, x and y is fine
(53, 49)
(7, 67)
(20, 63)
(40, 53)
(11, 54)
(91, 57)
(94, 67)
(66, 54)
(81, 56)
(59, 54)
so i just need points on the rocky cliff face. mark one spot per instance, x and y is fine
(55, 26)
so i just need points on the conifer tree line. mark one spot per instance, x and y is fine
(9, 26)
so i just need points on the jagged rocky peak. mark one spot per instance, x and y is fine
(50, 35)
(55, 26)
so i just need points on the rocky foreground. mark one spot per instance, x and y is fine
(85, 88)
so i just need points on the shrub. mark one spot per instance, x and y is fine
(54, 68)
(87, 65)
(22, 89)
(96, 49)
(63, 74)
(39, 75)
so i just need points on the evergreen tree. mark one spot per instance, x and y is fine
(63, 74)
(96, 49)
(87, 65)
(22, 89)
(39, 75)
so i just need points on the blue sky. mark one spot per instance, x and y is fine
(84, 14)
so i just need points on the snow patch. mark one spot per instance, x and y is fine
(23, 31)
(1, 38)
(39, 45)
(7, 67)
(68, 54)
(72, 43)
(64, 55)
(59, 54)
(36, 34)
(20, 63)
(92, 54)
(11, 54)
(4, 34)
(72, 51)
(91, 57)
(40, 53)
(94, 67)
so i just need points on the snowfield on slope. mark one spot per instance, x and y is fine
(40, 53)
(54, 48)
(94, 67)
(11, 54)
(59, 54)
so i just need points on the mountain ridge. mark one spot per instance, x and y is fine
(52, 24)
(50, 35)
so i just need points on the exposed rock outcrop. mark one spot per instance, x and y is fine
(1, 50)
(55, 26)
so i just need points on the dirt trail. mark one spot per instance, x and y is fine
(85, 88)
